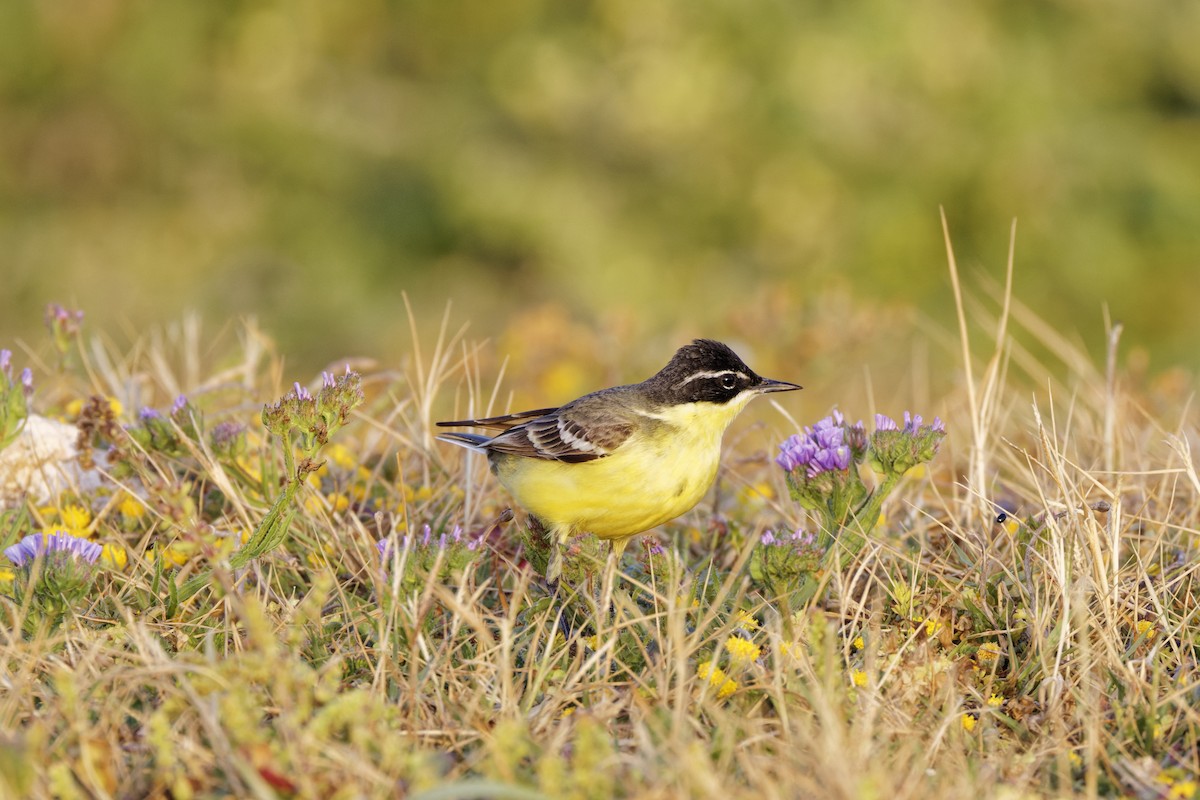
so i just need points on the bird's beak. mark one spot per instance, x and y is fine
(769, 385)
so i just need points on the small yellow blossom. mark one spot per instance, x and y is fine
(933, 627)
(755, 494)
(859, 643)
(1183, 790)
(566, 712)
(114, 555)
(1145, 628)
(1075, 759)
(340, 455)
(74, 408)
(173, 555)
(746, 620)
(592, 641)
(6, 576)
(423, 494)
(968, 723)
(858, 677)
(338, 501)
(130, 507)
(987, 653)
(319, 559)
(116, 407)
(76, 518)
(995, 701)
(717, 679)
(742, 651)
(791, 649)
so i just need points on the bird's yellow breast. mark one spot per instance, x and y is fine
(661, 471)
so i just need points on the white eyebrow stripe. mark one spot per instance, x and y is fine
(716, 374)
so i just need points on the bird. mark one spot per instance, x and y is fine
(620, 461)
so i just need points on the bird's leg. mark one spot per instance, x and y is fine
(611, 571)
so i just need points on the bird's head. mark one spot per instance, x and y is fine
(707, 371)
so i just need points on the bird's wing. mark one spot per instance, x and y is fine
(501, 423)
(577, 432)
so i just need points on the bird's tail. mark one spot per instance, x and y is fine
(471, 441)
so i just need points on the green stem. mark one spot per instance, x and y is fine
(853, 536)
(269, 533)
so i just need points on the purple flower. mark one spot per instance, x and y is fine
(302, 393)
(768, 538)
(6, 364)
(180, 404)
(27, 380)
(384, 546)
(825, 447)
(35, 544)
(147, 413)
(885, 423)
(327, 380)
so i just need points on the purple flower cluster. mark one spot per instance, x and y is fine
(896, 449)
(35, 544)
(426, 540)
(825, 447)
(797, 538)
(6, 370)
(912, 423)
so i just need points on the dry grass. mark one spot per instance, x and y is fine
(956, 657)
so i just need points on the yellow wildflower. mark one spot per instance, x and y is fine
(1145, 628)
(338, 501)
(746, 620)
(130, 507)
(717, 679)
(566, 712)
(340, 455)
(859, 643)
(858, 677)
(791, 649)
(114, 555)
(173, 555)
(755, 494)
(995, 701)
(6, 576)
(1183, 790)
(74, 408)
(933, 627)
(968, 723)
(592, 641)
(1075, 759)
(319, 559)
(742, 651)
(423, 494)
(987, 653)
(76, 518)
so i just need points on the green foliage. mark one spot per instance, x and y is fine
(289, 159)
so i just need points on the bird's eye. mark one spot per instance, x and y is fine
(728, 382)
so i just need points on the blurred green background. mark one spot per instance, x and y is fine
(670, 161)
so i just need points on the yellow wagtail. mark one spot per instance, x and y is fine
(621, 461)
